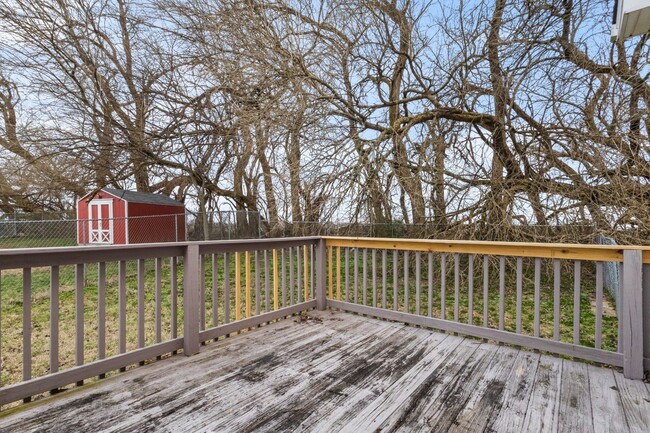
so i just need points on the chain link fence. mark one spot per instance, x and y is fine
(63, 229)
(573, 233)
(224, 225)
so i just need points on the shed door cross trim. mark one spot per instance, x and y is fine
(100, 221)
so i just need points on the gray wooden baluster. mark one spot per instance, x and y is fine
(226, 288)
(347, 275)
(215, 290)
(502, 290)
(443, 285)
(312, 257)
(365, 276)
(486, 285)
(576, 302)
(384, 278)
(158, 300)
(470, 289)
(267, 283)
(54, 318)
(101, 310)
(519, 293)
(374, 278)
(79, 316)
(395, 273)
(556, 300)
(174, 297)
(258, 299)
(406, 281)
(599, 305)
(284, 279)
(430, 285)
(122, 306)
(456, 286)
(27, 325)
(538, 271)
(291, 277)
(418, 256)
(202, 294)
(141, 318)
(299, 273)
(356, 275)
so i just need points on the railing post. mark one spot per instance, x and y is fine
(321, 262)
(646, 318)
(191, 300)
(632, 314)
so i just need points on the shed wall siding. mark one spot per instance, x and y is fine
(156, 223)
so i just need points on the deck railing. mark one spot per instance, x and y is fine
(82, 312)
(106, 307)
(539, 296)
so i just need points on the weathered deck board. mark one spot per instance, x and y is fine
(606, 406)
(575, 399)
(481, 406)
(636, 404)
(342, 372)
(516, 395)
(544, 405)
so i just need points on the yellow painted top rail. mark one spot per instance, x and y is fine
(604, 253)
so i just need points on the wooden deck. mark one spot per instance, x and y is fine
(336, 371)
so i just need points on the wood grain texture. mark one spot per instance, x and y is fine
(544, 405)
(632, 316)
(329, 371)
(191, 301)
(575, 399)
(608, 253)
(516, 394)
(607, 407)
(636, 403)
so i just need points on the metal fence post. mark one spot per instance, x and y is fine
(632, 314)
(191, 300)
(321, 282)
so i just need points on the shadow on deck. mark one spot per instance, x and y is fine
(333, 371)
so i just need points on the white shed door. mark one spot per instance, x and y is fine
(100, 221)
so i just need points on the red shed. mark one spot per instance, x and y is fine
(115, 216)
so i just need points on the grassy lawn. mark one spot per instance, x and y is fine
(36, 242)
(11, 307)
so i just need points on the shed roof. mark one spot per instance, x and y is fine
(142, 197)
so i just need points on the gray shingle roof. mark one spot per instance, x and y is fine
(142, 197)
